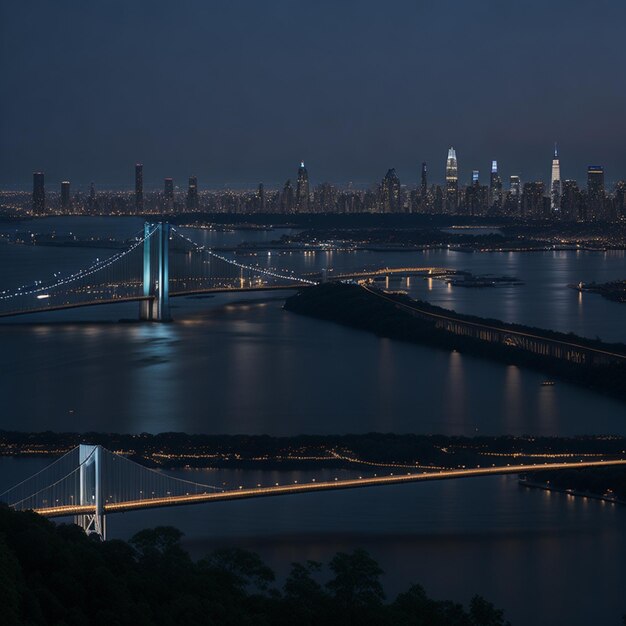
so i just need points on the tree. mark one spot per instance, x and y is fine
(483, 613)
(246, 569)
(11, 585)
(305, 595)
(159, 546)
(357, 580)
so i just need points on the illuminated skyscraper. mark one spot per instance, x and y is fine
(139, 187)
(452, 182)
(65, 194)
(515, 186)
(495, 188)
(302, 189)
(514, 196)
(555, 182)
(390, 195)
(39, 193)
(476, 196)
(192, 194)
(596, 198)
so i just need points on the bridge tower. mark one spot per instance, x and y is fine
(91, 491)
(145, 306)
(163, 288)
(156, 288)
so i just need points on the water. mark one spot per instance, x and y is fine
(525, 550)
(241, 364)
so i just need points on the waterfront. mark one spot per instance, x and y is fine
(239, 363)
(504, 539)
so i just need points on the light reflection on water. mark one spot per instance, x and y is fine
(240, 364)
(233, 364)
(525, 550)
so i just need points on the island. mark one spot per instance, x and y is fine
(580, 360)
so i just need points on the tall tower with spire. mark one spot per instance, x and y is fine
(452, 182)
(302, 189)
(555, 182)
(495, 188)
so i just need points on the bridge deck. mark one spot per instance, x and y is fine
(78, 305)
(391, 271)
(280, 490)
(488, 327)
(195, 292)
(126, 299)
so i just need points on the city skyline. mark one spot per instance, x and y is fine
(277, 277)
(464, 175)
(561, 200)
(355, 93)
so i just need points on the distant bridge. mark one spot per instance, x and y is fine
(90, 482)
(160, 263)
(535, 342)
(432, 272)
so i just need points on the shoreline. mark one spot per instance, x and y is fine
(578, 360)
(366, 452)
(544, 486)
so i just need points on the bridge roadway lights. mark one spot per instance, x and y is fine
(156, 308)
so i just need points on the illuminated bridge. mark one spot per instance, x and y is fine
(159, 263)
(537, 342)
(90, 482)
(387, 272)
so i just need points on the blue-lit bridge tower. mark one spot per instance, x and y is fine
(156, 306)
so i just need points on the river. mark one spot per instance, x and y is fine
(239, 363)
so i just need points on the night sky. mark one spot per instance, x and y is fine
(237, 92)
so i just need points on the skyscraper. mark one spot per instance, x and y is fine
(286, 198)
(92, 197)
(168, 194)
(555, 183)
(533, 200)
(515, 186)
(390, 194)
(424, 185)
(65, 194)
(620, 198)
(571, 208)
(495, 188)
(192, 194)
(302, 190)
(39, 193)
(514, 196)
(452, 182)
(261, 198)
(595, 192)
(476, 196)
(438, 200)
(139, 187)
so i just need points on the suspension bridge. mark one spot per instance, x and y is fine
(90, 482)
(160, 263)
